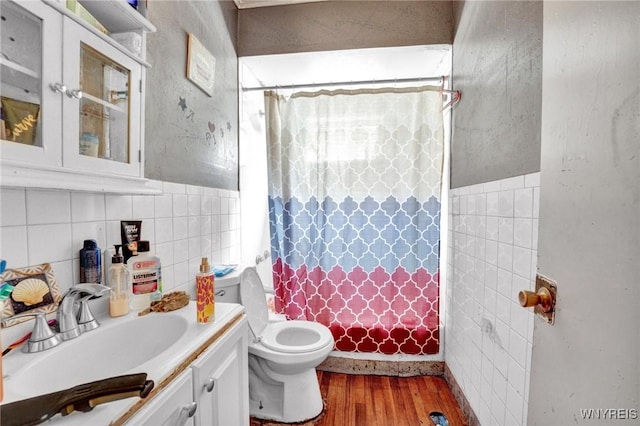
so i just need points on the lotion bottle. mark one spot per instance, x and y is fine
(205, 303)
(119, 279)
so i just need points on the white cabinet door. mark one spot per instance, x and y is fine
(102, 106)
(221, 381)
(31, 67)
(174, 406)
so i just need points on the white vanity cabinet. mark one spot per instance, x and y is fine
(72, 97)
(221, 380)
(174, 406)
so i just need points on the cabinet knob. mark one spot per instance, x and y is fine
(190, 409)
(75, 93)
(58, 87)
(210, 385)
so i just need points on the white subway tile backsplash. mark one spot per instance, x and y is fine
(87, 207)
(194, 226)
(64, 273)
(494, 230)
(174, 188)
(165, 252)
(224, 206)
(216, 206)
(164, 230)
(195, 190)
(45, 207)
(42, 248)
(13, 246)
(38, 226)
(180, 205)
(82, 231)
(113, 233)
(180, 228)
(143, 206)
(205, 225)
(119, 207)
(163, 205)
(180, 250)
(195, 249)
(13, 207)
(205, 205)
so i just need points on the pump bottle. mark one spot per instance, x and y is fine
(119, 279)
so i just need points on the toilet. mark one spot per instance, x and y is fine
(283, 355)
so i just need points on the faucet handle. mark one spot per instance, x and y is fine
(42, 337)
(86, 320)
(69, 318)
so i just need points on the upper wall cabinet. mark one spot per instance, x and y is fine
(72, 97)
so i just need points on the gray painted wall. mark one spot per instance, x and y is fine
(497, 65)
(589, 232)
(192, 137)
(337, 25)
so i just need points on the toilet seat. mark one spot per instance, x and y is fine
(284, 336)
(296, 336)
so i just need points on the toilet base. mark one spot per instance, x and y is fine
(290, 398)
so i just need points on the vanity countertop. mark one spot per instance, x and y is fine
(161, 368)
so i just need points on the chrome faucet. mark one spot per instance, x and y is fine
(74, 316)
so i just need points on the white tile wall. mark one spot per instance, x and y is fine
(492, 256)
(39, 226)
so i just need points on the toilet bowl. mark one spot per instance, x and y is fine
(283, 355)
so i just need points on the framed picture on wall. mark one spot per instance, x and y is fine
(201, 65)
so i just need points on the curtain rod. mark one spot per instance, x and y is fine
(347, 83)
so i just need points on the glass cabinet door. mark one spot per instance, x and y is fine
(103, 109)
(31, 88)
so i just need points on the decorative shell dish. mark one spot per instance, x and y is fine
(30, 291)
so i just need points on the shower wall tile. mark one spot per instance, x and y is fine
(493, 250)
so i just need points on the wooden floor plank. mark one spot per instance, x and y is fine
(362, 400)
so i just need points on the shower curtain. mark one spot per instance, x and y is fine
(354, 211)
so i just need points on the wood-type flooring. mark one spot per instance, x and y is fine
(364, 400)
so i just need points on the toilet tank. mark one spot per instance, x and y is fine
(227, 288)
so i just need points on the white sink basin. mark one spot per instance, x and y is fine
(113, 349)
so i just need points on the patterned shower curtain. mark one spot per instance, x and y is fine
(354, 209)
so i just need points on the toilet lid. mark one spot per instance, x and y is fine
(253, 299)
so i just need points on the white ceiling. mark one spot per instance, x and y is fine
(247, 4)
